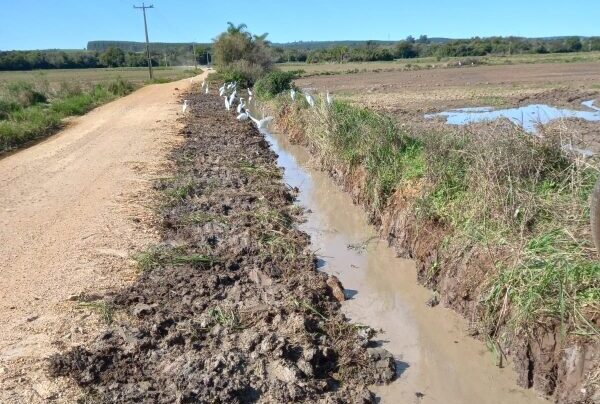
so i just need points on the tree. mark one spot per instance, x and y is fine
(573, 44)
(410, 39)
(405, 50)
(113, 57)
(423, 39)
(241, 56)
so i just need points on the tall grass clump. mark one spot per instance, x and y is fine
(524, 203)
(29, 110)
(358, 140)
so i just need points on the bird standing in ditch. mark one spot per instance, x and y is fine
(241, 105)
(261, 123)
(329, 98)
(293, 94)
(185, 106)
(243, 116)
(310, 100)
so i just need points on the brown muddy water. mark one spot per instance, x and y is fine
(436, 361)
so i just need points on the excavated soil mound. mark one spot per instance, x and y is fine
(230, 307)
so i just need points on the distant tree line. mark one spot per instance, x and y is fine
(132, 54)
(440, 48)
(111, 57)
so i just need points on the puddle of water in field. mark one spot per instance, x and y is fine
(528, 117)
(434, 357)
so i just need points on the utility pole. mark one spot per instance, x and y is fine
(195, 60)
(143, 8)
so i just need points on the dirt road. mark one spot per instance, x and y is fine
(72, 211)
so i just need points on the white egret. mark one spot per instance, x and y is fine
(185, 106)
(310, 100)
(206, 90)
(227, 105)
(329, 98)
(232, 97)
(243, 116)
(249, 93)
(241, 105)
(293, 94)
(261, 123)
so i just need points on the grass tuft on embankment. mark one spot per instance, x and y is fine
(514, 199)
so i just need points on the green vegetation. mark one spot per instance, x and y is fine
(32, 105)
(53, 80)
(514, 198)
(273, 83)
(105, 310)
(113, 56)
(31, 110)
(241, 57)
(430, 62)
(159, 257)
(437, 48)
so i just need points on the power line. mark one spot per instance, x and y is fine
(143, 8)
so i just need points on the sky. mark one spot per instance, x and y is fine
(70, 24)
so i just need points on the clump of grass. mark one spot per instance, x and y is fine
(555, 281)
(356, 137)
(203, 218)
(275, 242)
(181, 190)
(226, 317)
(105, 310)
(259, 171)
(156, 258)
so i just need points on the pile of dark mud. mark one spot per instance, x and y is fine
(230, 308)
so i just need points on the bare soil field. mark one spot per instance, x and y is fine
(437, 89)
(409, 95)
(73, 210)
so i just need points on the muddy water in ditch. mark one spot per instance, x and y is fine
(436, 362)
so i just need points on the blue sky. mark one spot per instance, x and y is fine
(41, 24)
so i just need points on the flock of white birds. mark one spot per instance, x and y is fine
(230, 96)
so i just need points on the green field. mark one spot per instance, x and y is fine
(134, 75)
(33, 104)
(433, 62)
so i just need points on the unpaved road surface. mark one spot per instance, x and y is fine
(73, 209)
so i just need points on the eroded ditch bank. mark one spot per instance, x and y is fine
(356, 147)
(230, 307)
(436, 361)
